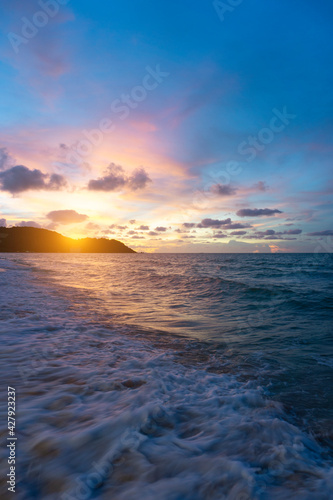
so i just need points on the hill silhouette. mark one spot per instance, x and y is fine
(31, 239)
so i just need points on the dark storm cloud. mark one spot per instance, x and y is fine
(20, 178)
(66, 217)
(258, 212)
(115, 179)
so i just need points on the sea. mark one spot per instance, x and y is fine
(168, 376)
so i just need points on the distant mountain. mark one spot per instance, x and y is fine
(31, 239)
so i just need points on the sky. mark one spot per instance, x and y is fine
(171, 126)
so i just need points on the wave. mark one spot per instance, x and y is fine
(109, 410)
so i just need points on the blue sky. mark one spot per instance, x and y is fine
(221, 77)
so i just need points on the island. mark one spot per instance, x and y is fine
(32, 239)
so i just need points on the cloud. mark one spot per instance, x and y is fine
(116, 179)
(161, 229)
(327, 232)
(113, 180)
(139, 179)
(220, 235)
(213, 223)
(66, 217)
(3, 223)
(236, 225)
(188, 225)
(92, 226)
(56, 182)
(258, 212)
(223, 190)
(120, 228)
(29, 223)
(261, 186)
(293, 231)
(20, 178)
(4, 158)
(143, 228)
(238, 233)
(270, 234)
(276, 237)
(307, 215)
(153, 233)
(225, 224)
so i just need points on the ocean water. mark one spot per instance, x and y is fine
(169, 377)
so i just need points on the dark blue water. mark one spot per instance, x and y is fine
(264, 319)
(271, 315)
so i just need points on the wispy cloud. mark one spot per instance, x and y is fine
(258, 212)
(327, 232)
